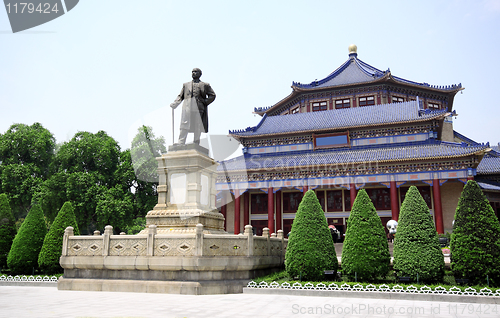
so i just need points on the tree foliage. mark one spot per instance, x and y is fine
(23, 255)
(7, 229)
(89, 170)
(365, 252)
(48, 259)
(20, 182)
(475, 240)
(115, 207)
(22, 144)
(145, 148)
(416, 243)
(310, 249)
(87, 152)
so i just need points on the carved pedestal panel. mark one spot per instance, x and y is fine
(186, 193)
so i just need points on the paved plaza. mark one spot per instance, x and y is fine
(48, 302)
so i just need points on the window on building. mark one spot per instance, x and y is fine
(295, 110)
(381, 198)
(334, 200)
(367, 101)
(320, 194)
(319, 106)
(433, 106)
(425, 192)
(347, 200)
(291, 201)
(396, 99)
(331, 140)
(259, 203)
(342, 103)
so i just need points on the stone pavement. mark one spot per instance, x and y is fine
(47, 302)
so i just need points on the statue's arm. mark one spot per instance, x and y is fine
(179, 99)
(210, 95)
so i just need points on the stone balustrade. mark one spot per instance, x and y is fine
(161, 245)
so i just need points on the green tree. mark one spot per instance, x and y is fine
(145, 148)
(84, 189)
(115, 207)
(365, 251)
(7, 229)
(87, 152)
(475, 240)
(20, 182)
(310, 249)
(52, 194)
(416, 244)
(23, 255)
(48, 259)
(23, 144)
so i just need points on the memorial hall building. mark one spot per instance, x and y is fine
(359, 127)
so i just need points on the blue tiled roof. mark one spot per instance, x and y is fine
(356, 71)
(462, 138)
(352, 71)
(340, 118)
(488, 186)
(489, 165)
(434, 150)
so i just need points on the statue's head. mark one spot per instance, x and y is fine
(196, 73)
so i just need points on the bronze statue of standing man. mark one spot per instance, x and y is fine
(196, 95)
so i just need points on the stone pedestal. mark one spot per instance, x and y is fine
(186, 192)
(184, 249)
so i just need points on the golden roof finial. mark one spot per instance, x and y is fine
(353, 49)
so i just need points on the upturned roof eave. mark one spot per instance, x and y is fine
(480, 152)
(438, 116)
(387, 77)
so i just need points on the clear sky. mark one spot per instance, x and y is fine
(113, 65)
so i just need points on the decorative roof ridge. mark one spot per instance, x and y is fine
(476, 150)
(464, 138)
(441, 87)
(375, 72)
(363, 66)
(326, 79)
(432, 114)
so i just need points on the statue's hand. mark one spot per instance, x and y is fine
(173, 105)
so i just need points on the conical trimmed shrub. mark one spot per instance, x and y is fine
(416, 243)
(475, 240)
(7, 229)
(310, 249)
(365, 253)
(23, 255)
(48, 259)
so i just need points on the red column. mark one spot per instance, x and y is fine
(246, 208)
(470, 178)
(270, 210)
(237, 212)
(438, 210)
(394, 201)
(223, 210)
(279, 220)
(353, 193)
(304, 190)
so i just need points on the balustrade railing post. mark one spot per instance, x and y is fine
(249, 234)
(199, 240)
(151, 239)
(67, 233)
(108, 230)
(265, 233)
(282, 238)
